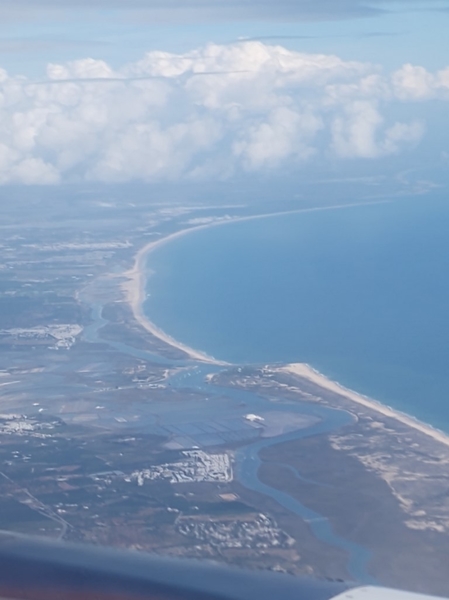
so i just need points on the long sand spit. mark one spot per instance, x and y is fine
(135, 284)
(134, 288)
(307, 372)
(135, 292)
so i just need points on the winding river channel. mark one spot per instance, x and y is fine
(229, 405)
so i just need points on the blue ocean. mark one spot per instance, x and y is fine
(360, 293)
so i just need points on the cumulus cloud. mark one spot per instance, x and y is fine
(285, 133)
(416, 83)
(359, 132)
(213, 112)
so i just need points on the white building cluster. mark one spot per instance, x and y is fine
(258, 532)
(58, 336)
(23, 425)
(197, 466)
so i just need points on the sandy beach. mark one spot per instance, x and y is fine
(135, 291)
(136, 278)
(307, 372)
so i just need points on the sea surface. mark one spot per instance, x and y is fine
(360, 293)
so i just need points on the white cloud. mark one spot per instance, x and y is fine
(211, 112)
(283, 134)
(354, 132)
(34, 171)
(399, 133)
(87, 68)
(416, 83)
(413, 83)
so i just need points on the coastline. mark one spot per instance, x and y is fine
(307, 372)
(134, 288)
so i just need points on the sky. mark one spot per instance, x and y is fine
(172, 90)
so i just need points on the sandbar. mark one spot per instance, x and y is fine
(307, 372)
(135, 291)
(134, 286)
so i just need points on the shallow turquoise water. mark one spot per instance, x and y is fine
(360, 293)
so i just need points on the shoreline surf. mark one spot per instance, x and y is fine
(306, 371)
(134, 286)
(135, 291)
